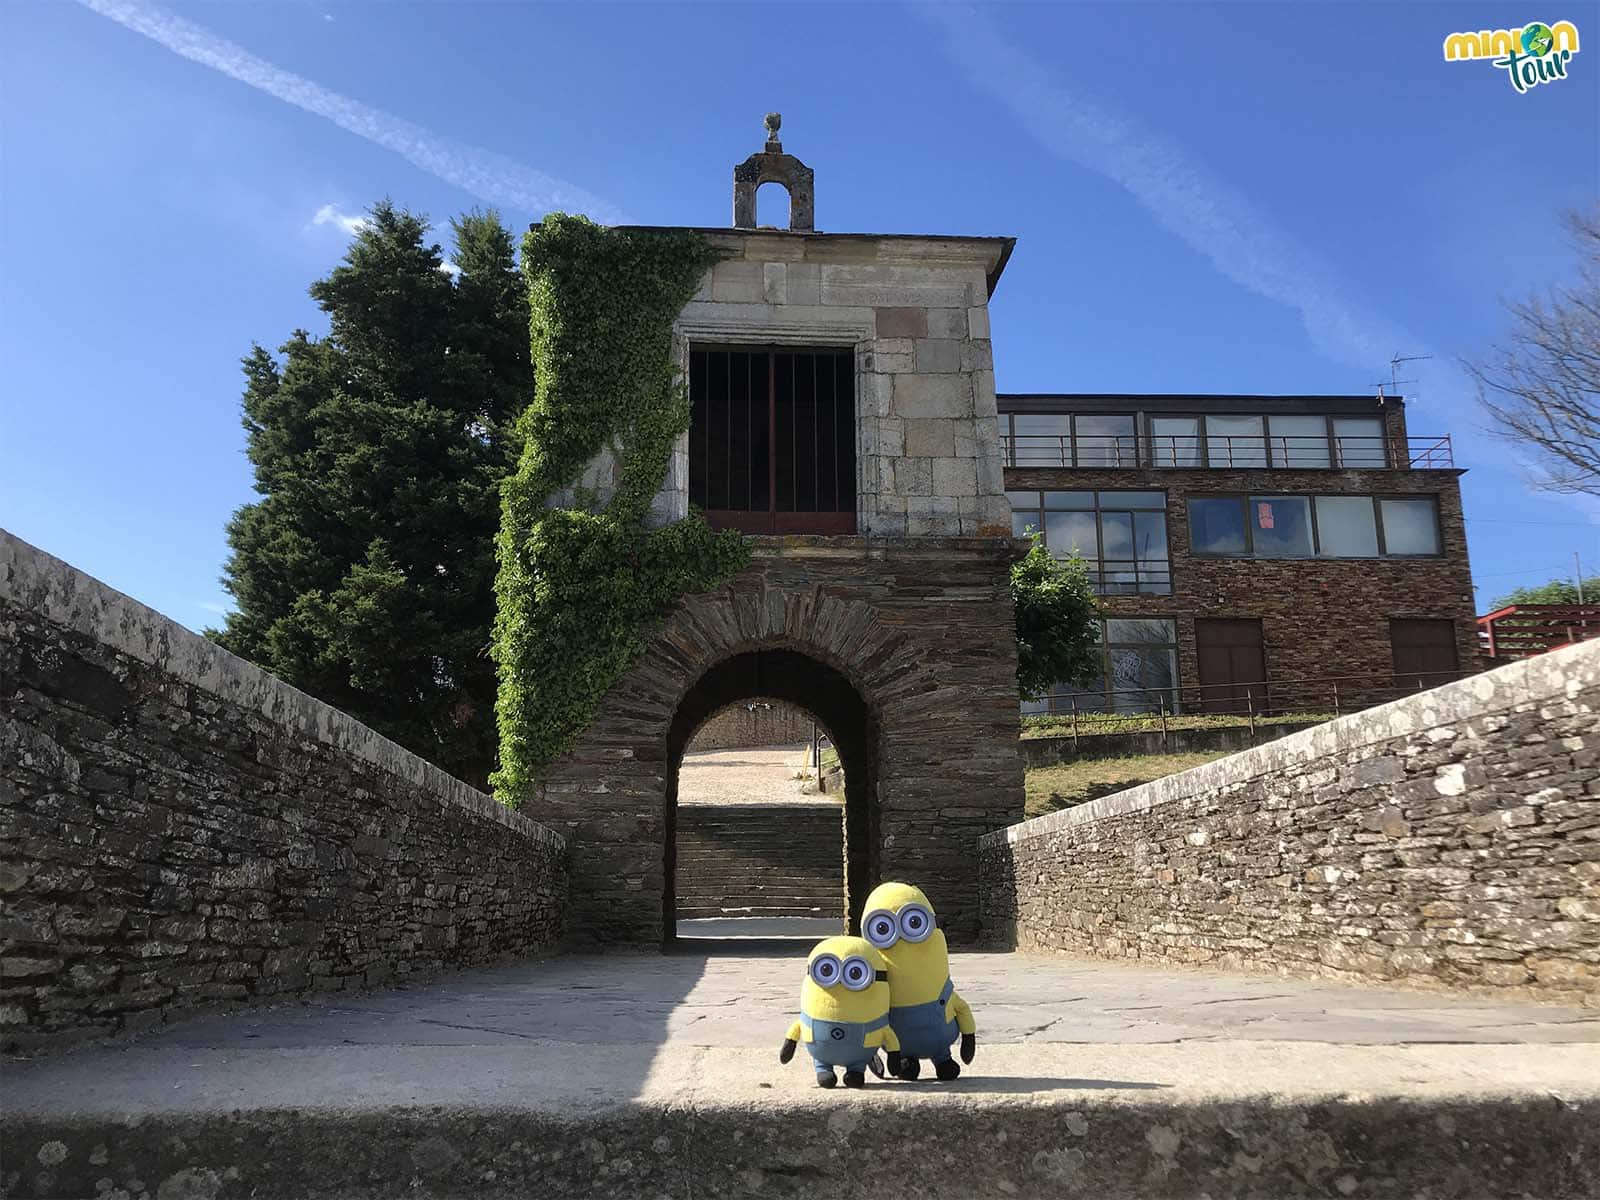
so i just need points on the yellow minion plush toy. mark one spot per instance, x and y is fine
(925, 1012)
(844, 1011)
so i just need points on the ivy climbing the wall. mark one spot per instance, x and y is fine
(582, 583)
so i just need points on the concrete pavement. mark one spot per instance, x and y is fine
(651, 1075)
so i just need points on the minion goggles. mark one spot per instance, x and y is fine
(883, 928)
(855, 972)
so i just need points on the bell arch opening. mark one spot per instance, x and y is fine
(773, 205)
(797, 679)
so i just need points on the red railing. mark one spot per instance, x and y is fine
(1219, 452)
(1523, 630)
(1328, 695)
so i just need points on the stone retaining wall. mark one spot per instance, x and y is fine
(754, 723)
(1451, 838)
(1064, 748)
(178, 828)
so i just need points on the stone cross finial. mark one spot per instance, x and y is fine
(774, 122)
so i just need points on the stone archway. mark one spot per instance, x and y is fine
(920, 629)
(789, 675)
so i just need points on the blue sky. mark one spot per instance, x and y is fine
(1247, 197)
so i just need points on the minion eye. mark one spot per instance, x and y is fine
(825, 970)
(858, 973)
(916, 923)
(881, 929)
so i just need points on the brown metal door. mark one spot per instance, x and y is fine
(1233, 665)
(1424, 653)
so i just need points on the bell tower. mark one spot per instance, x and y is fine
(772, 165)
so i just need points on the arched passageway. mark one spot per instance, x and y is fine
(839, 708)
(904, 649)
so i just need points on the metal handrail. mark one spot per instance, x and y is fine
(1242, 452)
(1338, 694)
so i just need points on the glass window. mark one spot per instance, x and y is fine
(1041, 439)
(1139, 672)
(1235, 442)
(1358, 441)
(1137, 631)
(1106, 441)
(1069, 499)
(1121, 536)
(1280, 526)
(1409, 527)
(1175, 441)
(1346, 527)
(1134, 499)
(1150, 547)
(1299, 441)
(1216, 526)
(1116, 549)
(1141, 664)
(1069, 532)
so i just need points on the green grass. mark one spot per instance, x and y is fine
(1056, 725)
(1078, 782)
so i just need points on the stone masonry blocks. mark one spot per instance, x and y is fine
(1443, 840)
(915, 310)
(930, 437)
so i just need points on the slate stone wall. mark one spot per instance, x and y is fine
(919, 629)
(180, 829)
(1451, 838)
(755, 722)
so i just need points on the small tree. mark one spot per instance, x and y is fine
(1557, 591)
(1542, 389)
(1058, 633)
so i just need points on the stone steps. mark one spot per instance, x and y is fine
(766, 860)
(1065, 1122)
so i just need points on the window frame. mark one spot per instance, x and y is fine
(1145, 451)
(1071, 456)
(773, 520)
(1376, 498)
(1105, 647)
(1160, 580)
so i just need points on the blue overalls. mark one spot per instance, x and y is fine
(841, 1043)
(922, 1028)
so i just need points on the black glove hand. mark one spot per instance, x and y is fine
(894, 1063)
(969, 1046)
(875, 1065)
(787, 1052)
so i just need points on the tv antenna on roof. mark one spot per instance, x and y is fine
(1394, 373)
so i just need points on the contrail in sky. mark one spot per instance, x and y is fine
(487, 175)
(1218, 222)
(1182, 196)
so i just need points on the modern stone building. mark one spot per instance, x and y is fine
(1284, 552)
(843, 416)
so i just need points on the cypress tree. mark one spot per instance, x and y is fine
(365, 573)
